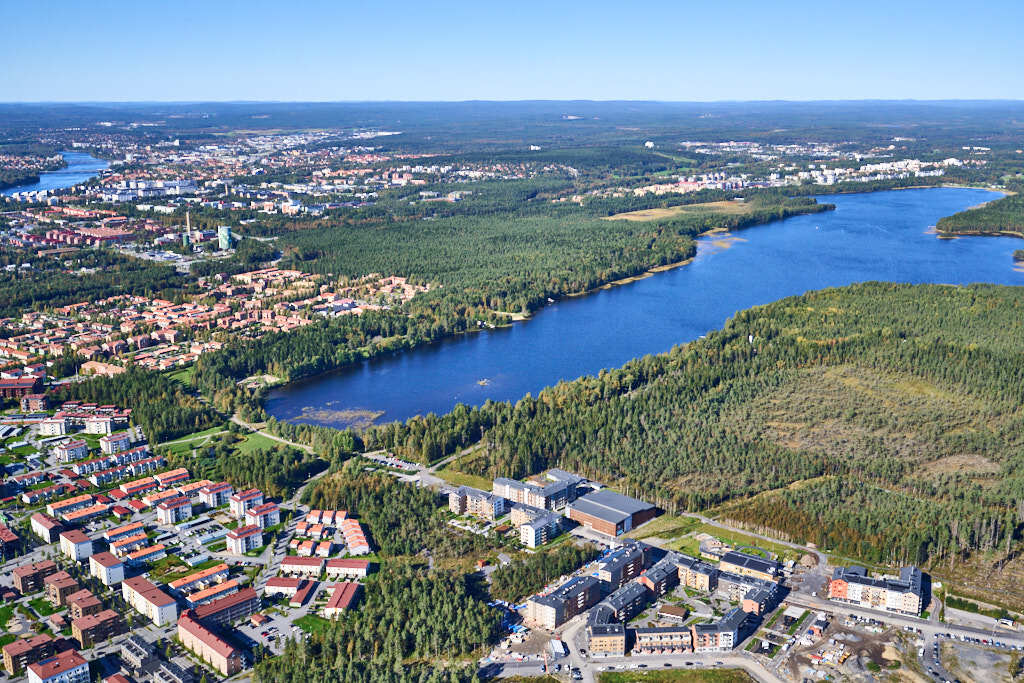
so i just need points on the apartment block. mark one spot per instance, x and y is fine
(107, 568)
(75, 545)
(263, 516)
(243, 539)
(571, 598)
(149, 601)
(29, 578)
(24, 651)
(215, 495)
(904, 594)
(243, 500)
(96, 628)
(174, 510)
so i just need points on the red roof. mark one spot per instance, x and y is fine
(106, 560)
(188, 624)
(344, 595)
(54, 666)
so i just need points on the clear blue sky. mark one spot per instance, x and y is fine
(78, 50)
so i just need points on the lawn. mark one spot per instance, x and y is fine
(312, 623)
(666, 527)
(456, 478)
(676, 676)
(183, 375)
(43, 607)
(7, 638)
(255, 441)
(6, 612)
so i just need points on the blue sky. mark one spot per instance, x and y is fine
(79, 50)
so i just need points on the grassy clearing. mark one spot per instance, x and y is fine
(732, 208)
(255, 441)
(183, 375)
(667, 527)
(312, 623)
(457, 478)
(6, 612)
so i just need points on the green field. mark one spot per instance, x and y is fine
(312, 623)
(255, 441)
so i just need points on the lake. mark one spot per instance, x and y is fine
(872, 236)
(81, 167)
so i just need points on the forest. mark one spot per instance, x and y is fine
(90, 275)
(410, 620)
(401, 519)
(277, 471)
(1004, 215)
(158, 404)
(876, 402)
(526, 575)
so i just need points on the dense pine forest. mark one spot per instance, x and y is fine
(408, 617)
(1004, 215)
(527, 575)
(158, 404)
(894, 411)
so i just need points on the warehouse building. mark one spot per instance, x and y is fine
(609, 513)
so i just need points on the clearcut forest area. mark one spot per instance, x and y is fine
(882, 422)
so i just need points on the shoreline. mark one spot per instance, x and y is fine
(513, 318)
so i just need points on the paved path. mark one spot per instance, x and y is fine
(252, 427)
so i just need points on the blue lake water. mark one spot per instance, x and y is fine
(81, 167)
(873, 236)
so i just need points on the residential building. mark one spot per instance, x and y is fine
(66, 667)
(628, 601)
(137, 652)
(24, 651)
(662, 640)
(540, 530)
(75, 545)
(263, 516)
(54, 426)
(724, 634)
(551, 496)
(124, 546)
(29, 578)
(470, 501)
(46, 527)
(149, 601)
(283, 585)
(243, 500)
(304, 566)
(623, 564)
(348, 568)
(243, 539)
(174, 510)
(343, 597)
(96, 628)
(59, 508)
(663, 576)
(571, 598)
(208, 645)
(230, 608)
(123, 531)
(215, 495)
(70, 451)
(745, 564)
(107, 568)
(171, 477)
(115, 443)
(59, 587)
(150, 553)
(904, 595)
(214, 592)
(83, 603)
(203, 578)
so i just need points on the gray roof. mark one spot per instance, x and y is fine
(568, 590)
(750, 562)
(626, 595)
(621, 556)
(609, 506)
